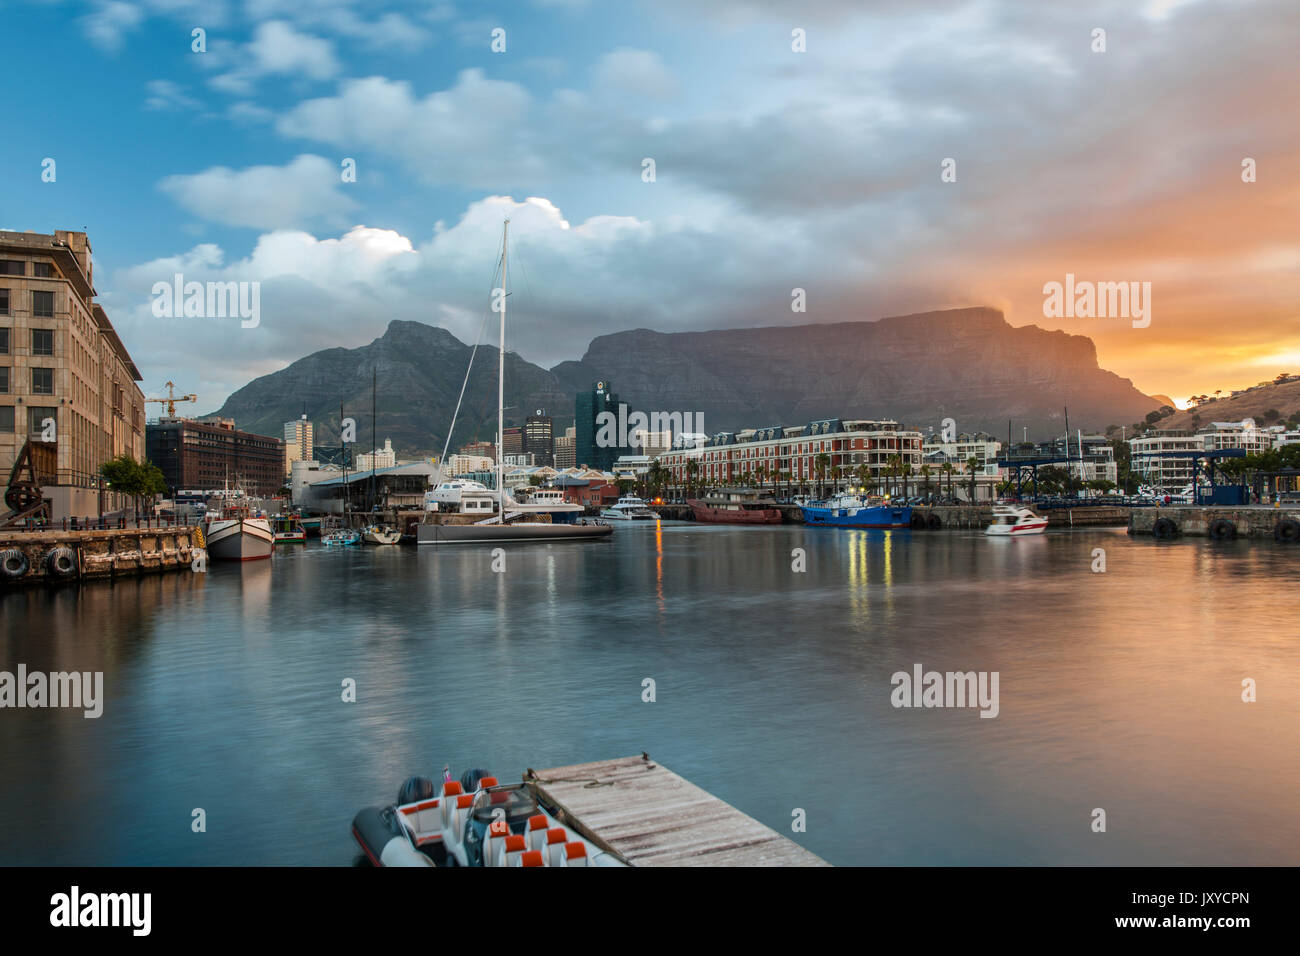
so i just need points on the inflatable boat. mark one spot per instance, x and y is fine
(475, 821)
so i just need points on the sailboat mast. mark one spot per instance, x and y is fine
(501, 376)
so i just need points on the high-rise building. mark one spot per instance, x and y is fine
(67, 382)
(538, 438)
(564, 453)
(214, 454)
(297, 442)
(512, 441)
(484, 449)
(586, 407)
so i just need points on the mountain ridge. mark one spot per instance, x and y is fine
(969, 364)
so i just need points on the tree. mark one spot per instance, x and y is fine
(820, 464)
(925, 476)
(972, 469)
(692, 473)
(136, 479)
(946, 468)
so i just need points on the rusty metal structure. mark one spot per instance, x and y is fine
(36, 465)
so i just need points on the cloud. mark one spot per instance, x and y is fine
(167, 95)
(277, 49)
(636, 71)
(107, 23)
(307, 190)
(474, 133)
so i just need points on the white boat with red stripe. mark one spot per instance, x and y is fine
(1014, 521)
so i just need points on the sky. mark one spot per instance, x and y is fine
(795, 146)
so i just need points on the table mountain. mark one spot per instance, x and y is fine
(966, 364)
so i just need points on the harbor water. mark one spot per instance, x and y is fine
(1118, 689)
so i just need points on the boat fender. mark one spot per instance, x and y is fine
(1223, 530)
(1164, 528)
(933, 522)
(385, 843)
(61, 563)
(13, 563)
(918, 520)
(415, 790)
(1288, 529)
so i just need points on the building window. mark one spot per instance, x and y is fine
(4, 341)
(42, 381)
(42, 270)
(42, 341)
(13, 267)
(43, 304)
(4, 380)
(36, 415)
(4, 303)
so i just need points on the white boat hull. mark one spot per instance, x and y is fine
(239, 539)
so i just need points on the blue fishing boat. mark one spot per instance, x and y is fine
(851, 511)
(342, 538)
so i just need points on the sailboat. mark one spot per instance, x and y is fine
(475, 520)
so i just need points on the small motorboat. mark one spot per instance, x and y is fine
(381, 534)
(1015, 521)
(475, 821)
(342, 538)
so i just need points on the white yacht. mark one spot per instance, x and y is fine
(629, 508)
(1015, 521)
(446, 496)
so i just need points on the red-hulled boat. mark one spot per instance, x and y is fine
(735, 506)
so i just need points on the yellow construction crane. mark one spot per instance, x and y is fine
(172, 398)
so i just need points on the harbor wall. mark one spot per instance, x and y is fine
(93, 554)
(1247, 521)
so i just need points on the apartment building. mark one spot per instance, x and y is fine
(66, 378)
(786, 457)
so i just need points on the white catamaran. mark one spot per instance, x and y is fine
(471, 521)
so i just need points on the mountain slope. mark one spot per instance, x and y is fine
(420, 368)
(966, 364)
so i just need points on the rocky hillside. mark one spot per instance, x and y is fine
(966, 364)
(420, 368)
(1255, 403)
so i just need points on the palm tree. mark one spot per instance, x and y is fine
(692, 472)
(820, 464)
(925, 474)
(947, 476)
(972, 468)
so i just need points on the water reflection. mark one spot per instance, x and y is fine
(1118, 689)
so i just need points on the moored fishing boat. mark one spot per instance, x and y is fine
(287, 529)
(852, 511)
(235, 534)
(735, 506)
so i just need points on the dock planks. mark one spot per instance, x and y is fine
(653, 817)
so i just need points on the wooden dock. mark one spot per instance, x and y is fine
(650, 816)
